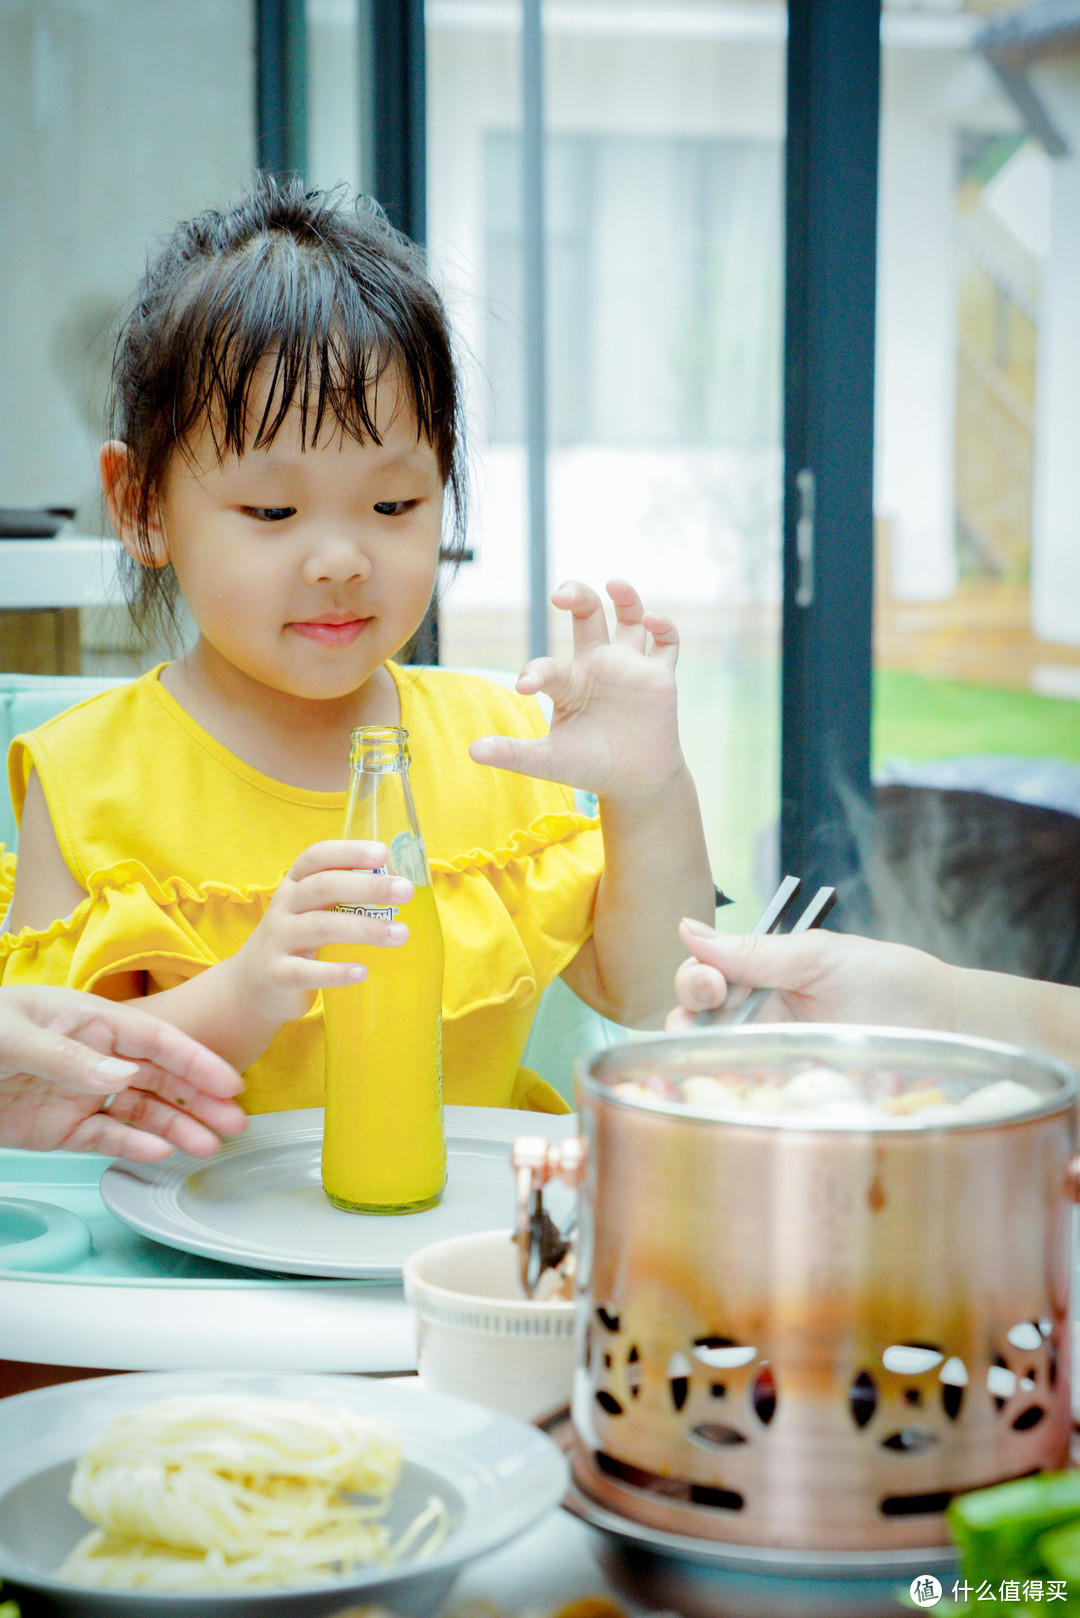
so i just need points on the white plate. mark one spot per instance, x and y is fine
(498, 1476)
(260, 1201)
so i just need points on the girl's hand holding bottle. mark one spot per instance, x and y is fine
(613, 729)
(333, 894)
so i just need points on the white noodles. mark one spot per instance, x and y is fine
(210, 1492)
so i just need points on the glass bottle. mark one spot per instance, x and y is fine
(384, 1150)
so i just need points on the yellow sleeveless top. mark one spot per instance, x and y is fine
(180, 846)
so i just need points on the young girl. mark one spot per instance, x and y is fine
(286, 415)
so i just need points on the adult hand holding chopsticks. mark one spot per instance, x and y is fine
(838, 977)
(817, 976)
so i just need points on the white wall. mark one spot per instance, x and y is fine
(116, 119)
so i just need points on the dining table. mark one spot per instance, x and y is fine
(83, 1293)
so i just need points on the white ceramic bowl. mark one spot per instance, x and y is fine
(478, 1337)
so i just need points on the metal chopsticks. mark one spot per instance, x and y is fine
(767, 922)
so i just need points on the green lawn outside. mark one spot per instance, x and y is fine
(730, 723)
(918, 718)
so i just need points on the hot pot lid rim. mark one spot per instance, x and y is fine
(842, 1042)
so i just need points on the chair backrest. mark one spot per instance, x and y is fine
(28, 700)
(564, 1026)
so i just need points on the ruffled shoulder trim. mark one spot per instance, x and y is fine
(513, 917)
(132, 921)
(7, 881)
(541, 835)
(126, 875)
(176, 889)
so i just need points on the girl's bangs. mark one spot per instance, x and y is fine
(297, 338)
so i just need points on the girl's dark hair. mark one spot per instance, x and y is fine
(323, 288)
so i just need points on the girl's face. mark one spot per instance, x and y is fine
(307, 568)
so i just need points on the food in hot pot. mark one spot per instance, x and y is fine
(811, 1093)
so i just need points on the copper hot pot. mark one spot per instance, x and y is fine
(811, 1335)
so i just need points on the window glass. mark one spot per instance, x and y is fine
(664, 263)
(978, 621)
(336, 134)
(978, 425)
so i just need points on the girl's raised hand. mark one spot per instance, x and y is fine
(613, 729)
(334, 894)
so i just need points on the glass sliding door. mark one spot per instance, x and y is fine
(338, 138)
(663, 191)
(977, 651)
(976, 410)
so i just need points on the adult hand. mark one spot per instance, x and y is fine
(818, 976)
(63, 1054)
(613, 727)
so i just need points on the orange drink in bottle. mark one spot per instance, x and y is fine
(384, 1149)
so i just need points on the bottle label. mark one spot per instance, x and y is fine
(372, 912)
(407, 860)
